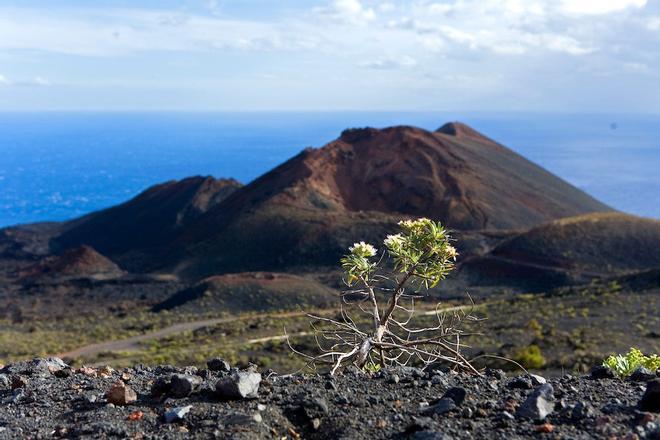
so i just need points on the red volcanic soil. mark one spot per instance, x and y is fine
(80, 262)
(454, 174)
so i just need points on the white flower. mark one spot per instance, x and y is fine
(363, 249)
(393, 241)
(451, 252)
(409, 225)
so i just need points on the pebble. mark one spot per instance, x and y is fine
(121, 394)
(601, 372)
(177, 413)
(443, 406)
(218, 364)
(240, 385)
(538, 404)
(183, 385)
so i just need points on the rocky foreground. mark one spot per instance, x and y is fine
(44, 398)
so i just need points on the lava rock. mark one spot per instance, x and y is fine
(218, 364)
(177, 413)
(18, 381)
(651, 399)
(243, 419)
(642, 374)
(457, 394)
(581, 411)
(4, 381)
(601, 372)
(443, 406)
(521, 382)
(240, 385)
(183, 385)
(538, 404)
(121, 394)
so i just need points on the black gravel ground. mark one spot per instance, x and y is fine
(45, 399)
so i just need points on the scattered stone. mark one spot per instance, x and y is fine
(176, 414)
(55, 364)
(243, 419)
(135, 416)
(457, 394)
(87, 371)
(183, 385)
(106, 371)
(521, 382)
(240, 385)
(538, 404)
(443, 406)
(218, 364)
(601, 372)
(642, 374)
(537, 380)
(121, 394)
(18, 381)
(545, 428)
(581, 411)
(651, 399)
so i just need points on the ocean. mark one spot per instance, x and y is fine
(57, 166)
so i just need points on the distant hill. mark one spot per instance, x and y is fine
(80, 262)
(574, 249)
(251, 292)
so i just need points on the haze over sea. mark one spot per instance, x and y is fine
(56, 166)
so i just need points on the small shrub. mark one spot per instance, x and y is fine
(530, 357)
(625, 365)
(384, 289)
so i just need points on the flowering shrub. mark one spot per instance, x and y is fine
(420, 255)
(625, 365)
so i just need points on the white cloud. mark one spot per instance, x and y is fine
(653, 24)
(598, 7)
(390, 63)
(40, 81)
(347, 11)
(3, 80)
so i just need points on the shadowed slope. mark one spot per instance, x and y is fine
(572, 250)
(251, 292)
(80, 262)
(150, 219)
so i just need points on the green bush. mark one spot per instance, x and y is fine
(623, 366)
(530, 357)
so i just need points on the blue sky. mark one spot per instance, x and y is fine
(457, 55)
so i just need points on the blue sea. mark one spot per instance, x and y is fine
(57, 166)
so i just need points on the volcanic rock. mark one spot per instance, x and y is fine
(239, 385)
(538, 404)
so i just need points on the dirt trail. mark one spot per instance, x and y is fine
(130, 344)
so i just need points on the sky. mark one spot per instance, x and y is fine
(570, 56)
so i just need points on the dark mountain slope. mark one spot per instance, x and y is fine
(149, 220)
(572, 250)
